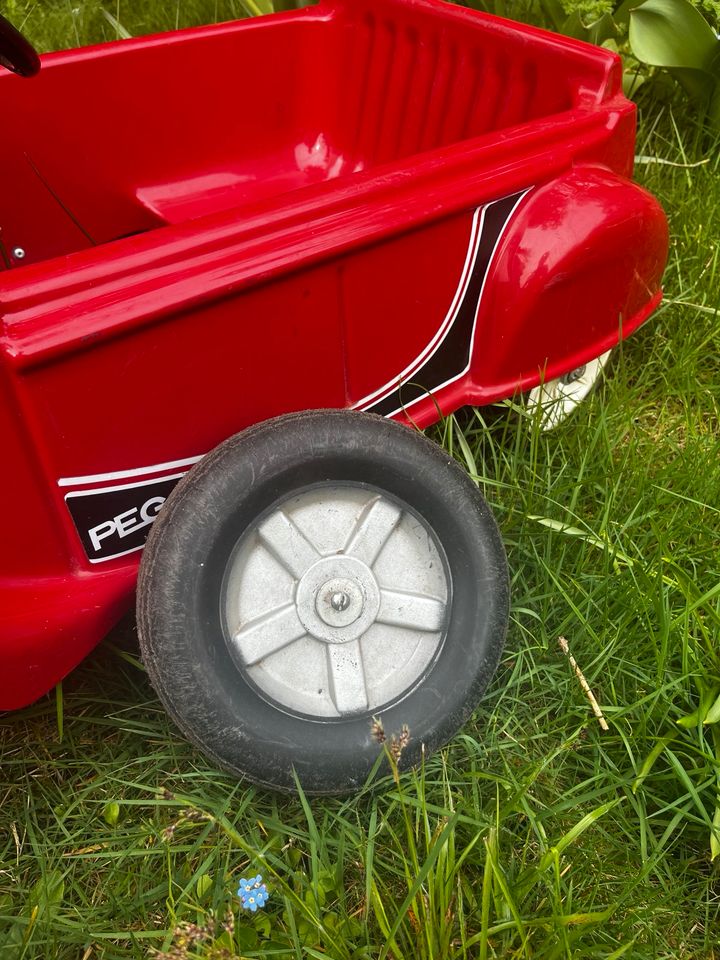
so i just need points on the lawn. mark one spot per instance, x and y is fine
(534, 833)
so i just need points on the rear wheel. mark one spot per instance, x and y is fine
(556, 400)
(310, 574)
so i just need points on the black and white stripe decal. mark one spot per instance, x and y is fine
(447, 357)
(114, 518)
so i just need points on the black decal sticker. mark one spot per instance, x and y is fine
(114, 521)
(452, 356)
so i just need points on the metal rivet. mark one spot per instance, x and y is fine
(577, 374)
(340, 602)
(19, 253)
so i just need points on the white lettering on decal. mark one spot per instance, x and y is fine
(100, 532)
(126, 522)
(154, 504)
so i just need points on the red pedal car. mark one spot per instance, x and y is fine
(203, 286)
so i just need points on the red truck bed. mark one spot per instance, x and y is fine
(395, 205)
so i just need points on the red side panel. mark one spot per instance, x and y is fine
(395, 225)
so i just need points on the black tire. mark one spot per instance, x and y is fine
(180, 619)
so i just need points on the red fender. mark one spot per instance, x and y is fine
(578, 270)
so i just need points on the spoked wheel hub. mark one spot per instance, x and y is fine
(336, 601)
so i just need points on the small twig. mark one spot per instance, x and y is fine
(584, 684)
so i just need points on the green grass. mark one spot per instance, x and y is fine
(533, 834)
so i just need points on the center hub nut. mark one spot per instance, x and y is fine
(339, 602)
(337, 599)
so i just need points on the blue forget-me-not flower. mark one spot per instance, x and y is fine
(253, 893)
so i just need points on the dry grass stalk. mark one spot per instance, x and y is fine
(584, 684)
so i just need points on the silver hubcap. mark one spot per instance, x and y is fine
(336, 602)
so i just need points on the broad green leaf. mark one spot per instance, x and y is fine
(327, 881)
(43, 903)
(690, 720)
(672, 33)
(713, 714)
(622, 14)
(203, 885)
(48, 892)
(111, 813)
(574, 27)
(603, 29)
(708, 697)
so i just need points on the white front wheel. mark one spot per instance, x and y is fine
(556, 400)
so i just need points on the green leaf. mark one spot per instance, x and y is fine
(327, 882)
(622, 14)
(294, 856)
(43, 903)
(708, 697)
(602, 30)
(672, 33)
(262, 924)
(48, 892)
(651, 759)
(111, 813)
(203, 885)
(713, 714)
(247, 937)
(574, 27)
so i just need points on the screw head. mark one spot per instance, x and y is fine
(19, 253)
(340, 601)
(577, 374)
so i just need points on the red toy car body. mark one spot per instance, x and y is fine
(420, 207)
